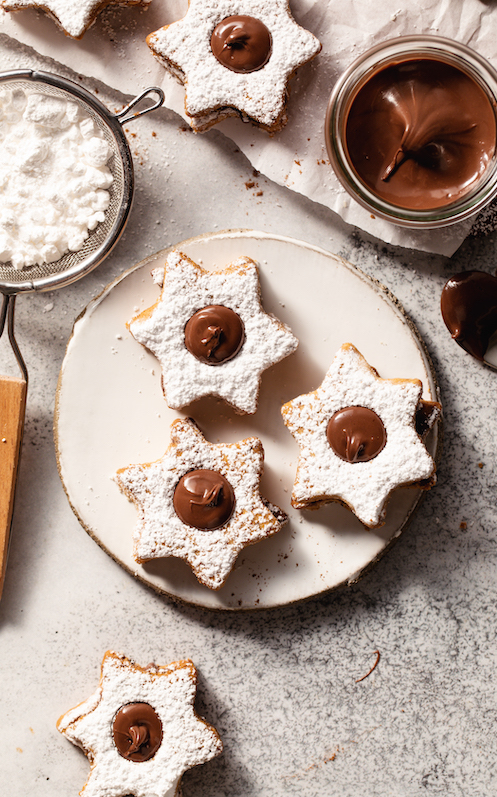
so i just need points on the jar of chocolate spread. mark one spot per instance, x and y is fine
(411, 131)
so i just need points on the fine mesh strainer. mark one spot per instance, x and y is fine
(69, 268)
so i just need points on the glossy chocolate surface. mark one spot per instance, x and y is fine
(420, 133)
(137, 732)
(204, 499)
(356, 434)
(214, 334)
(426, 414)
(241, 43)
(469, 309)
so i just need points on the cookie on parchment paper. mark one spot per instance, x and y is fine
(235, 59)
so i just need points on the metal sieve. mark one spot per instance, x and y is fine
(69, 268)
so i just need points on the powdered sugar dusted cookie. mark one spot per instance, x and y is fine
(358, 440)
(200, 502)
(140, 730)
(73, 16)
(210, 333)
(234, 59)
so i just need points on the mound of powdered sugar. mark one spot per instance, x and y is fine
(53, 177)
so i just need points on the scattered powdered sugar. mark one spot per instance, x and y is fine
(322, 476)
(160, 532)
(53, 177)
(187, 288)
(187, 740)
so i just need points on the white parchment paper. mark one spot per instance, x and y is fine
(115, 52)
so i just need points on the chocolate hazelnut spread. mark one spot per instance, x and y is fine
(214, 334)
(469, 309)
(204, 499)
(420, 133)
(241, 43)
(356, 434)
(424, 415)
(137, 731)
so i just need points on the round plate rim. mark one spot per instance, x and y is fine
(252, 234)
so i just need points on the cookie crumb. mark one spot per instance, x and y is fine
(377, 653)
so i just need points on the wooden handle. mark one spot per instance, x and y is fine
(12, 407)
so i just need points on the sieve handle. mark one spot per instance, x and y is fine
(128, 113)
(12, 409)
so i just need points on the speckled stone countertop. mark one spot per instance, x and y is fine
(282, 687)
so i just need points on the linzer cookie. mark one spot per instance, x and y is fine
(73, 16)
(200, 503)
(358, 438)
(234, 59)
(140, 730)
(211, 334)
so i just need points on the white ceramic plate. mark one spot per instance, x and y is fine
(110, 412)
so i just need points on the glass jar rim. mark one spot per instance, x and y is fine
(421, 46)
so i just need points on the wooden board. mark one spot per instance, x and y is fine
(12, 408)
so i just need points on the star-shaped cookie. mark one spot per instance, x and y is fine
(140, 730)
(232, 64)
(200, 502)
(211, 334)
(73, 16)
(358, 440)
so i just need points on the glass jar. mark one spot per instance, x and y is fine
(406, 54)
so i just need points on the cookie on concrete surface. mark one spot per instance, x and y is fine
(235, 59)
(358, 438)
(140, 730)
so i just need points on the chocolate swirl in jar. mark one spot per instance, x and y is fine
(137, 732)
(204, 499)
(241, 43)
(420, 133)
(214, 334)
(356, 434)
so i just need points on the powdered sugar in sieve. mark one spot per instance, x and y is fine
(75, 161)
(65, 196)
